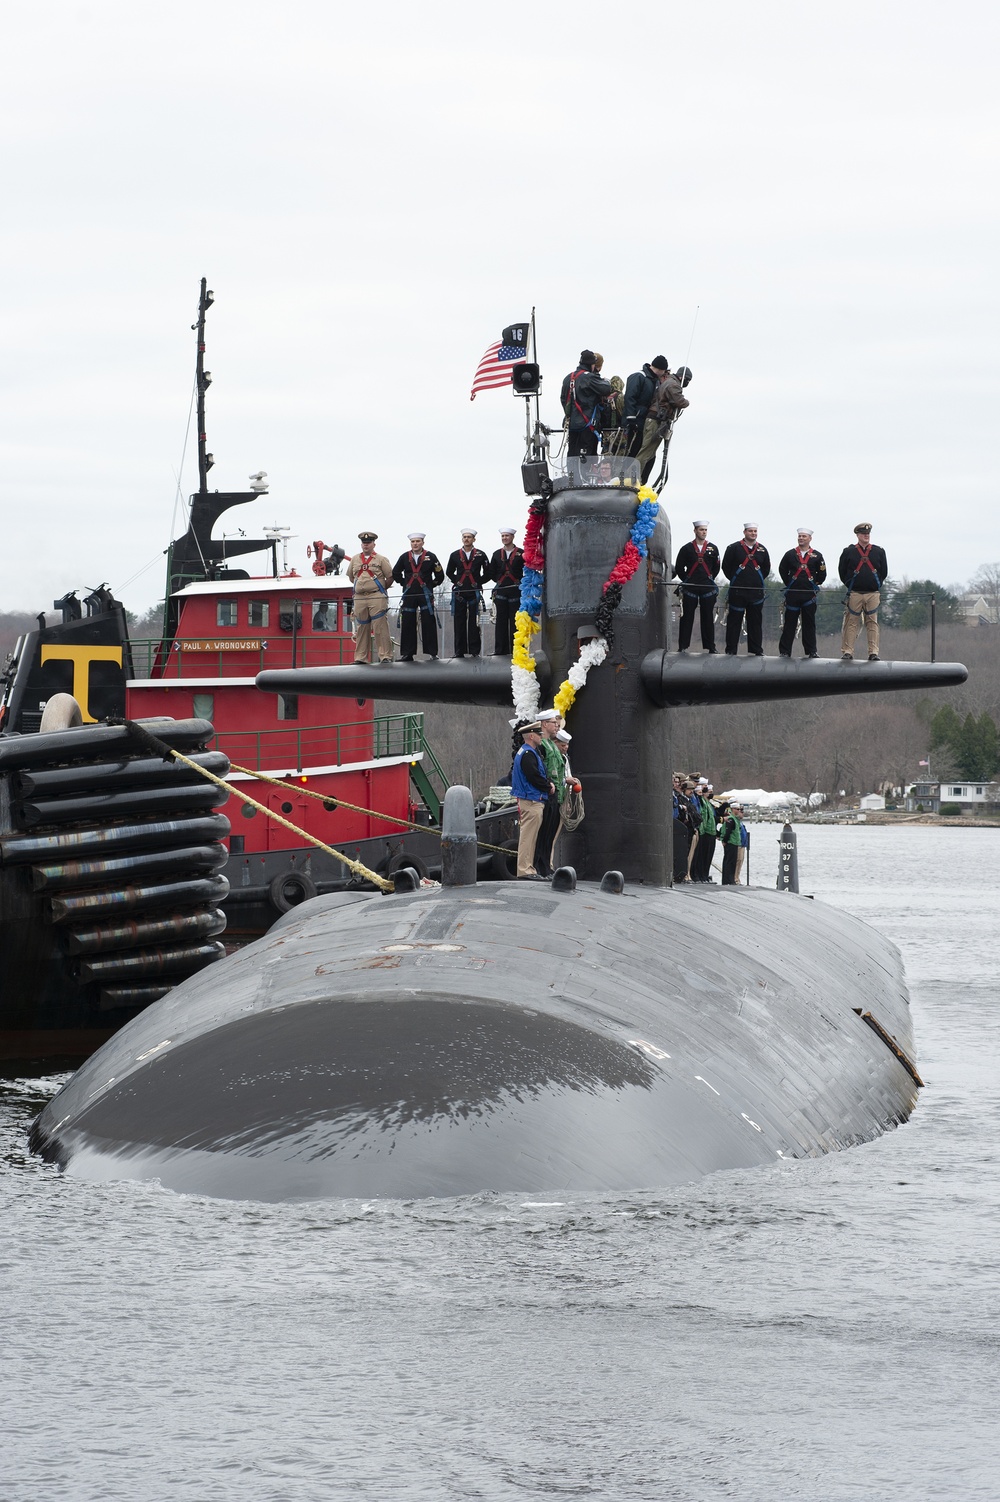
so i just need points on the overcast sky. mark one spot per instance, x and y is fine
(374, 191)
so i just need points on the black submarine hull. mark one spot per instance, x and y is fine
(506, 1038)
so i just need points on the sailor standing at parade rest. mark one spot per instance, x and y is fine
(746, 564)
(420, 573)
(506, 569)
(697, 567)
(371, 575)
(467, 568)
(863, 568)
(802, 571)
(531, 787)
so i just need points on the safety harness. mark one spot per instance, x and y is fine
(864, 560)
(695, 591)
(810, 585)
(409, 602)
(365, 568)
(588, 421)
(508, 577)
(749, 562)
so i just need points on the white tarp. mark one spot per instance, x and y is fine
(771, 802)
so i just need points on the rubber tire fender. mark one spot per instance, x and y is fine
(503, 867)
(290, 889)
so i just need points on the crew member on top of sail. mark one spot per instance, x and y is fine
(584, 393)
(697, 567)
(863, 568)
(746, 564)
(668, 401)
(802, 571)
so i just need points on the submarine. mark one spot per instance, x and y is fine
(600, 1031)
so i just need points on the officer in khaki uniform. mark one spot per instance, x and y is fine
(371, 575)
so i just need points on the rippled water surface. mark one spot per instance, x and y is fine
(827, 1329)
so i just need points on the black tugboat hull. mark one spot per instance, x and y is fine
(508, 1038)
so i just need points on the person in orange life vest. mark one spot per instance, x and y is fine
(863, 568)
(583, 396)
(746, 564)
(697, 568)
(420, 573)
(467, 568)
(506, 568)
(802, 572)
(371, 575)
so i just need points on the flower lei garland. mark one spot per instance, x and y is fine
(524, 683)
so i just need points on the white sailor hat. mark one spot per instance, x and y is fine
(700, 524)
(414, 535)
(469, 532)
(505, 530)
(547, 714)
(809, 530)
(747, 526)
(563, 735)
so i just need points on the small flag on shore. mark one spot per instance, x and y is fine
(495, 367)
(923, 763)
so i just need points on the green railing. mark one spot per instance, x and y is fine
(301, 746)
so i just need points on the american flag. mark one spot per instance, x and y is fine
(494, 368)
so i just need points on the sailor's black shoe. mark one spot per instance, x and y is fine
(873, 657)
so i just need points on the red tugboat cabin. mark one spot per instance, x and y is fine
(228, 630)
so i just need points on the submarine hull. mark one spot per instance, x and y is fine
(512, 1038)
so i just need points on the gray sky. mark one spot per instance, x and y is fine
(374, 191)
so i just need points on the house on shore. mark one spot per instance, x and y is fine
(927, 797)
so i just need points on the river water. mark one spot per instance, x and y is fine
(826, 1330)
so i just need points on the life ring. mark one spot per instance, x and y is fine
(503, 864)
(290, 889)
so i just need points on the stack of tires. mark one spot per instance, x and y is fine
(110, 872)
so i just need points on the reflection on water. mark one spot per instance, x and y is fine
(822, 1329)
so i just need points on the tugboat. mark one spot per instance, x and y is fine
(576, 1034)
(119, 875)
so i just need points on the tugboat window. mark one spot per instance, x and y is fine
(287, 619)
(324, 615)
(248, 811)
(288, 706)
(203, 706)
(260, 611)
(225, 614)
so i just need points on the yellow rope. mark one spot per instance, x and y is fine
(352, 865)
(356, 808)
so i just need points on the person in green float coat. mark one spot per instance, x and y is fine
(731, 835)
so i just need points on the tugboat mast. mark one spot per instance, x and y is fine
(203, 379)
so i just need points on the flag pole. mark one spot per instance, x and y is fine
(534, 356)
